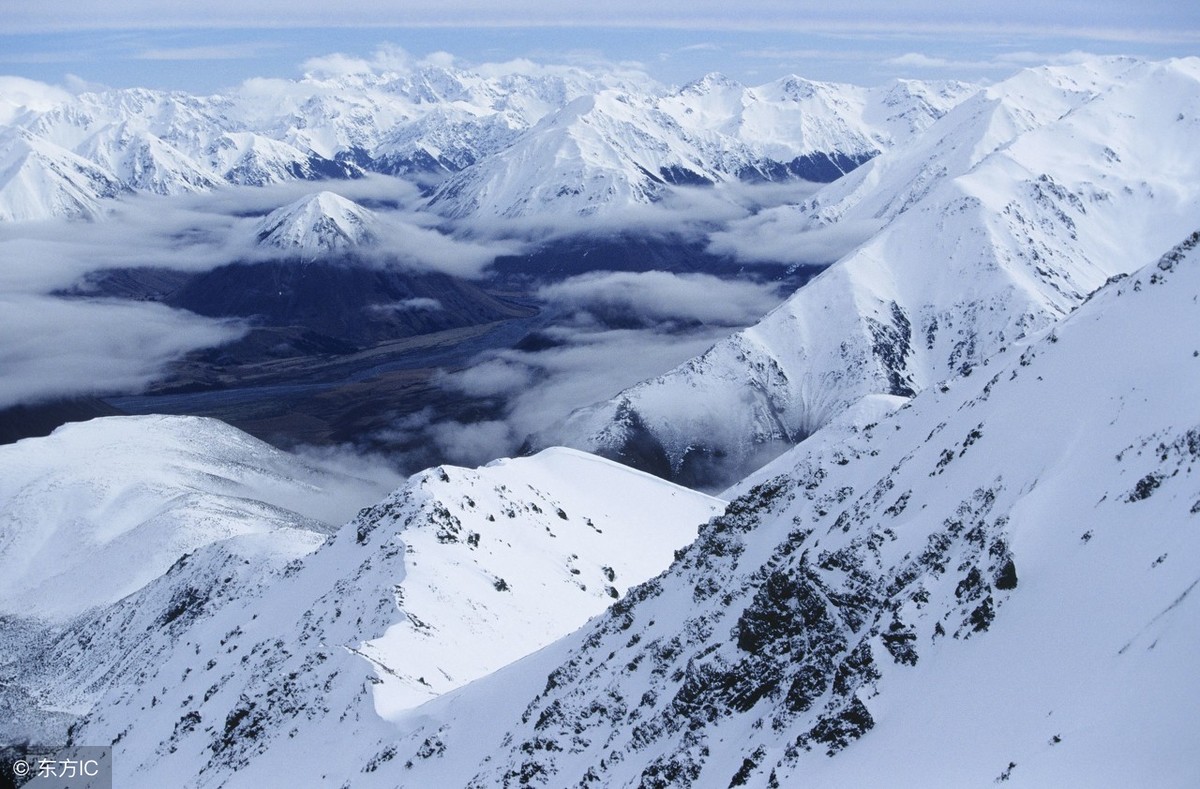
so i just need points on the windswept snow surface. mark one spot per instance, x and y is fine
(996, 222)
(996, 580)
(98, 509)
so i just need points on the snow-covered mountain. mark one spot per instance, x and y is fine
(813, 130)
(452, 576)
(98, 509)
(41, 180)
(101, 510)
(973, 564)
(995, 584)
(996, 222)
(615, 149)
(319, 223)
(526, 134)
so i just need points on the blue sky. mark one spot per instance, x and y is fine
(206, 47)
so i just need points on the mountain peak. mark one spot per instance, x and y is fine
(712, 81)
(319, 222)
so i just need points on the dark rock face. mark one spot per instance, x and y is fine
(892, 346)
(816, 167)
(783, 620)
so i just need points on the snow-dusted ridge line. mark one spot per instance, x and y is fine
(873, 594)
(433, 121)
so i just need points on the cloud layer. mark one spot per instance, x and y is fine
(609, 331)
(52, 347)
(658, 296)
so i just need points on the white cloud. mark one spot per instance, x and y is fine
(919, 60)
(663, 296)
(418, 304)
(584, 365)
(684, 212)
(62, 347)
(18, 93)
(202, 231)
(1002, 60)
(475, 443)
(781, 235)
(344, 479)
(496, 376)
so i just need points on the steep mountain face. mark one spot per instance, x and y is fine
(318, 225)
(997, 222)
(598, 151)
(145, 162)
(237, 647)
(902, 601)
(995, 584)
(528, 136)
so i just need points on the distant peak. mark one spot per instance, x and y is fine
(709, 82)
(319, 222)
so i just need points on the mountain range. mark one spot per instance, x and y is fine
(997, 222)
(509, 144)
(954, 536)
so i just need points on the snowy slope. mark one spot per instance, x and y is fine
(98, 509)
(995, 584)
(411, 119)
(999, 220)
(318, 223)
(97, 516)
(145, 162)
(455, 574)
(39, 180)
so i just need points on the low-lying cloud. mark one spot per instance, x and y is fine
(52, 347)
(531, 390)
(683, 211)
(657, 296)
(783, 235)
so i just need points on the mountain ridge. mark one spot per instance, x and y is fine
(968, 260)
(433, 122)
